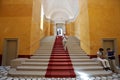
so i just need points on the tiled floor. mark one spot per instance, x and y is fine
(4, 71)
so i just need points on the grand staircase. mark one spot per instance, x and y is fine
(60, 63)
(43, 63)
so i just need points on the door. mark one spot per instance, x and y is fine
(10, 51)
(108, 44)
(111, 43)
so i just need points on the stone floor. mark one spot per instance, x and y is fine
(4, 76)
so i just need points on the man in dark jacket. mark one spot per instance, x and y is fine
(111, 58)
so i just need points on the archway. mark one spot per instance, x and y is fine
(59, 31)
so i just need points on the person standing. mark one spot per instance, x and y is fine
(65, 38)
(57, 33)
(101, 57)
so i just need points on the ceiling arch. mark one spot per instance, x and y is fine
(60, 10)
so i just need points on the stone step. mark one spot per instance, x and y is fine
(78, 48)
(37, 60)
(76, 54)
(46, 47)
(75, 51)
(85, 63)
(82, 60)
(46, 43)
(90, 68)
(42, 54)
(32, 68)
(46, 63)
(42, 68)
(44, 51)
(14, 73)
(93, 73)
(59, 52)
(40, 57)
(79, 57)
(35, 63)
(73, 43)
(58, 48)
(46, 60)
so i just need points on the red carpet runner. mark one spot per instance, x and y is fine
(60, 64)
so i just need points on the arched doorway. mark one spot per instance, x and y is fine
(59, 31)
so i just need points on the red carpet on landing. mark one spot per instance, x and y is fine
(60, 64)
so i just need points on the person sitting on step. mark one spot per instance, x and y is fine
(101, 57)
(111, 58)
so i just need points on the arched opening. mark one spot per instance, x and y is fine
(59, 31)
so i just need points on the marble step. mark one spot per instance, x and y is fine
(13, 72)
(74, 51)
(58, 47)
(90, 68)
(93, 73)
(34, 63)
(47, 57)
(85, 63)
(59, 52)
(43, 68)
(74, 47)
(44, 51)
(42, 54)
(45, 48)
(46, 63)
(82, 60)
(73, 60)
(32, 68)
(40, 57)
(73, 43)
(79, 57)
(77, 52)
(37, 60)
(46, 44)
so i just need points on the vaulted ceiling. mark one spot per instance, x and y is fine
(60, 11)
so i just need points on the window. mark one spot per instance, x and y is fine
(42, 17)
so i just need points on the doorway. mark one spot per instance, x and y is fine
(10, 51)
(111, 43)
(59, 31)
